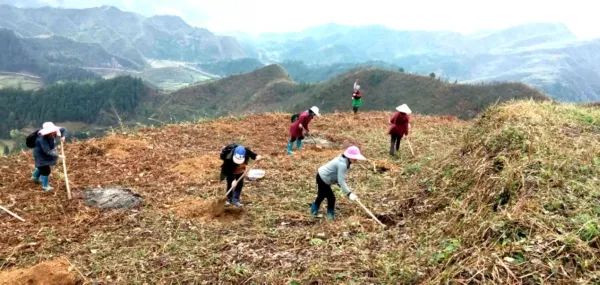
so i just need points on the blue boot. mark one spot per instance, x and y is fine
(298, 144)
(46, 183)
(331, 214)
(314, 210)
(289, 148)
(35, 175)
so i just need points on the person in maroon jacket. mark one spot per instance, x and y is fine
(400, 125)
(299, 128)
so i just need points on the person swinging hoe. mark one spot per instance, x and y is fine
(334, 172)
(299, 128)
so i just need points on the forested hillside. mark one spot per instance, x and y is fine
(271, 88)
(89, 102)
(52, 59)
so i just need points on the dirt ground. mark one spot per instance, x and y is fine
(54, 272)
(179, 236)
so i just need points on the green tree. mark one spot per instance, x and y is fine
(432, 75)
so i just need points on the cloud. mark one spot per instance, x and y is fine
(164, 10)
(257, 16)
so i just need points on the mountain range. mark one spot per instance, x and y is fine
(547, 56)
(171, 54)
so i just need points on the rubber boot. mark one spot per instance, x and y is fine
(298, 144)
(35, 176)
(331, 214)
(314, 210)
(289, 148)
(46, 183)
(392, 150)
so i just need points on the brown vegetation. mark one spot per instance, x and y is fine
(510, 198)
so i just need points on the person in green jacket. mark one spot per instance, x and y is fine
(334, 172)
(356, 97)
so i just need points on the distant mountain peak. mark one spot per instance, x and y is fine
(125, 34)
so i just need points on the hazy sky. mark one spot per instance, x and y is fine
(257, 16)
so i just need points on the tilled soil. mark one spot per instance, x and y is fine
(183, 234)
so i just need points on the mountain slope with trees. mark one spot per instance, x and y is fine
(55, 58)
(105, 102)
(124, 34)
(271, 88)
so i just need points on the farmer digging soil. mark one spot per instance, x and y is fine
(235, 160)
(399, 127)
(356, 98)
(299, 128)
(44, 152)
(334, 172)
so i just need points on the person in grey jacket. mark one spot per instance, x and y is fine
(44, 153)
(334, 172)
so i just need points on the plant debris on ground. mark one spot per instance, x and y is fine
(509, 198)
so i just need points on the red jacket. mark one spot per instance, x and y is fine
(295, 129)
(399, 124)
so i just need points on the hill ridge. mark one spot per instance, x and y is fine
(272, 87)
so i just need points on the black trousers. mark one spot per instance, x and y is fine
(324, 191)
(355, 109)
(293, 139)
(234, 196)
(44, 170)
(395, 142)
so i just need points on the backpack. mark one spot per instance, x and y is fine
(227, 150)
(30, 140)
(295, 117)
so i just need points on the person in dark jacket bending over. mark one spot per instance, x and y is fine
(334, 172)
(233, 168)
(299, 128)
(44, 153)
(399, 127)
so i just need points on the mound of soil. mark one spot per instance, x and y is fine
(382, 165)
(112, 198)
(54, 272)
(199, 168)
(116, 147)
(206, 210)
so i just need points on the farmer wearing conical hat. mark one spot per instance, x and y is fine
(334, 172)
(44, 153)
(356, 97)
(399, 127)
(299, 128)
(235, 160)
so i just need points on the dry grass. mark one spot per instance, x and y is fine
(199, 168)
(520, 198)
(117, 147)
(439, 205)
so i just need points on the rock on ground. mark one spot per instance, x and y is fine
(112, 198)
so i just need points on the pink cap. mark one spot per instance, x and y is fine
(353, 152)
